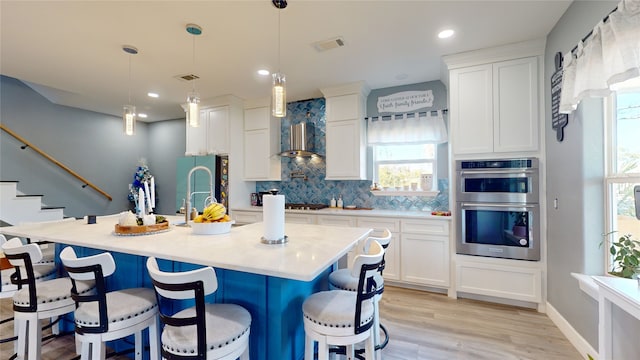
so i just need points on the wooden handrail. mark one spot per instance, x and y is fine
(50, 158)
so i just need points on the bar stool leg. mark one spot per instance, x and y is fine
(308, 348)
(138, 345)
(34, 338)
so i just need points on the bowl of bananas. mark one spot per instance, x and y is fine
(213, 221)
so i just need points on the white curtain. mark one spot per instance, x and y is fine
(609, 56)
(419, 129)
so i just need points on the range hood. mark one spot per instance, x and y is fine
(300, 141)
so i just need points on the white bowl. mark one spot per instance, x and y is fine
(212, 228)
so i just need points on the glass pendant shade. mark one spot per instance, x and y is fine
(279, 96)
(129, 119)
(193, 113)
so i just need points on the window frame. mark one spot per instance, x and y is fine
(611, 177)
(433, 162)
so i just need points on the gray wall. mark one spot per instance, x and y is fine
(574, 176)
(89, 143)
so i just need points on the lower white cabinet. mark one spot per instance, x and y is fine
(392, 253)
(502, 278)
(299, 218)
(337, 220)
(424, 250)
(246, 217)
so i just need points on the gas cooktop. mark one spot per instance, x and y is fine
(290, 206)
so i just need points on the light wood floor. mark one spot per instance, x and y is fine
(422, 326)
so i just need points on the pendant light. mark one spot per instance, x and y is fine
(193, 98)
(129, 111)
(279, 90)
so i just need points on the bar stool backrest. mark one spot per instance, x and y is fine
(23, 256)
(95, 267)
(173, 287)
(365, 266)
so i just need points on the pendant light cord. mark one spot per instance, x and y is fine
(129, 79)
(193, 87)
(279, 10)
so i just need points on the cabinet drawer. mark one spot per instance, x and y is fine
(508, 282)
(246, 217)
(379, 224)
(344, 221)
(426, 226)
(299, 218)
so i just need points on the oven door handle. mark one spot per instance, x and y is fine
(497, 205)
(518, 172)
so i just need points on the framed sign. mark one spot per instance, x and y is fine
(405, 101)
(558, 120)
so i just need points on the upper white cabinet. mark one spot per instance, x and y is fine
(212, 136)
(261, 145)
(495, 105)
(345, 132)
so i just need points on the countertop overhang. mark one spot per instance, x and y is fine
(311, 249)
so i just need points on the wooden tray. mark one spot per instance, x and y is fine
(141, 229)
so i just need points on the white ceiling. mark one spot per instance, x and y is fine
(71, 51)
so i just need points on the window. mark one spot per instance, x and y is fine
(405, 149)
(622, 142)
(400, 166)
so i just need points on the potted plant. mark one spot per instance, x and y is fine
(626, 257)
(520, 225)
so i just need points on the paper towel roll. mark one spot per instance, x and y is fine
(273, 216)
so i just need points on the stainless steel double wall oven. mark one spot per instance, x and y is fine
(498, 210)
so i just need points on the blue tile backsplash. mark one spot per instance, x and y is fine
(317, 190)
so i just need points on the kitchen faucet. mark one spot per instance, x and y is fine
(189, 194)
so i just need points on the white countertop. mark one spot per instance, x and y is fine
(311, 248)
(343, 212)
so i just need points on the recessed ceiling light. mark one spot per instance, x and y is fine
(142, 115)
(263, 72)
(153, 95)
(445, 33)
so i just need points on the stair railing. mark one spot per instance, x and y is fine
(27, 144)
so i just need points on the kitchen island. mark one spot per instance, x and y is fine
(271, 281)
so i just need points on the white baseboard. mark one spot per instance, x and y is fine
(583, 347)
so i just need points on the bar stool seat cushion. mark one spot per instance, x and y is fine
(225, 323)
(127, 304)
(336, 309)
(55, 291)
(343, 280)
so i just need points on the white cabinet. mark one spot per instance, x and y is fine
(501, 278)
(299, 218)
(495, 107)
(246, 217)
(212, 136)
(424, 252)
(337, 220)
(392, 253)
(345, 132)
(261, 145)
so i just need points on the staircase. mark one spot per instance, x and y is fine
(16, 208)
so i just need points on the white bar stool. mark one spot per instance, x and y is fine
(33, 300)
(203, 331)
(341, 317)
(343, 279)
(103, 316)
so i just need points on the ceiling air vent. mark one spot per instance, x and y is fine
(325, 45)
(187, 77)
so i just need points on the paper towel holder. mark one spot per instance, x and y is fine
(283, 240)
